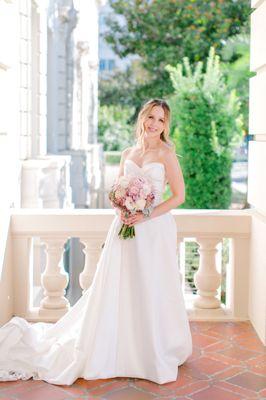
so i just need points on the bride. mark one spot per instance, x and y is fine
(132, 320)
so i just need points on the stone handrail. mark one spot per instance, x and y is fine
(55, 226)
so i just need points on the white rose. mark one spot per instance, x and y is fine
(120, 193)
(124, 181)
(129, 204)
(140, 204)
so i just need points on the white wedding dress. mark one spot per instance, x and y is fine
(131, 322)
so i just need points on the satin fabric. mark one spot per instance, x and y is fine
(131, 322)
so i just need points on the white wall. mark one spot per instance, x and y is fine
(11, 70)
(22, 92)
(23, 28)
(9, 104)
(6, 269)
(257, 170)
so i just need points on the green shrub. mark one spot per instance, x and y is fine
(112, 157)
(206, 128)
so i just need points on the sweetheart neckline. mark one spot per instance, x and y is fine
(153, 162)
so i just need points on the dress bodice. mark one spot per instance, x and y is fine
(155, 171)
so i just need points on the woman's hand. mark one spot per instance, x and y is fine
(132, 219)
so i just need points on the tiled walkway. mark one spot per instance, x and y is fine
(228, 363)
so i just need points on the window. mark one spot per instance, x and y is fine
(111, 64)
(101, 20)
(102, 65)
(107, 65)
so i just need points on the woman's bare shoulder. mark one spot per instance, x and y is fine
(167, 150)
(128, 150)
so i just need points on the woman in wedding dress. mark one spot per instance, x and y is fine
(131, 321)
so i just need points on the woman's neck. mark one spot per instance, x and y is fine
(152, 143)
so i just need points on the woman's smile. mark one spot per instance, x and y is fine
(155, 121)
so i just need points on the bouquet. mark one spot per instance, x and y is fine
(131, 194)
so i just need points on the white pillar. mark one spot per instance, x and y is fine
(31, 175)
(257, 168)
(38, 77)
(238, 277)
(22, 247)
(207, 279)
(92, 251)
(54, 280)
(55, 189)
(178, 252)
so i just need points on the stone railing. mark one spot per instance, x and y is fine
(52, 229)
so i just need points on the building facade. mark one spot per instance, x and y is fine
(49, 99)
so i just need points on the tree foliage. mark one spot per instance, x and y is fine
(122, 88)
(162, 32)
(235, 55)
(207, 126)
(114, 128)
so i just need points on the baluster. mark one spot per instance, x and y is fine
(54, 280)
(92, 249)
(178, 251)
(207, 279)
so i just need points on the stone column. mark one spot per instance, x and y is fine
(54, 280)
(92, 249)
(178, 250)
(207, 279)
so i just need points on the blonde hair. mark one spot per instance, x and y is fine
(143, 114)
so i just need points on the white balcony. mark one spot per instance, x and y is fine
(20, 269)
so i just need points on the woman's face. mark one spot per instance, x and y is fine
(155, 122)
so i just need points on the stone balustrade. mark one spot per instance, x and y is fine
(54, 227)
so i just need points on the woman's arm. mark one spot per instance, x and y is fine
(176, 181)
(124, 155)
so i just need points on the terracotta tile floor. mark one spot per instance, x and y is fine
(228, 363)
